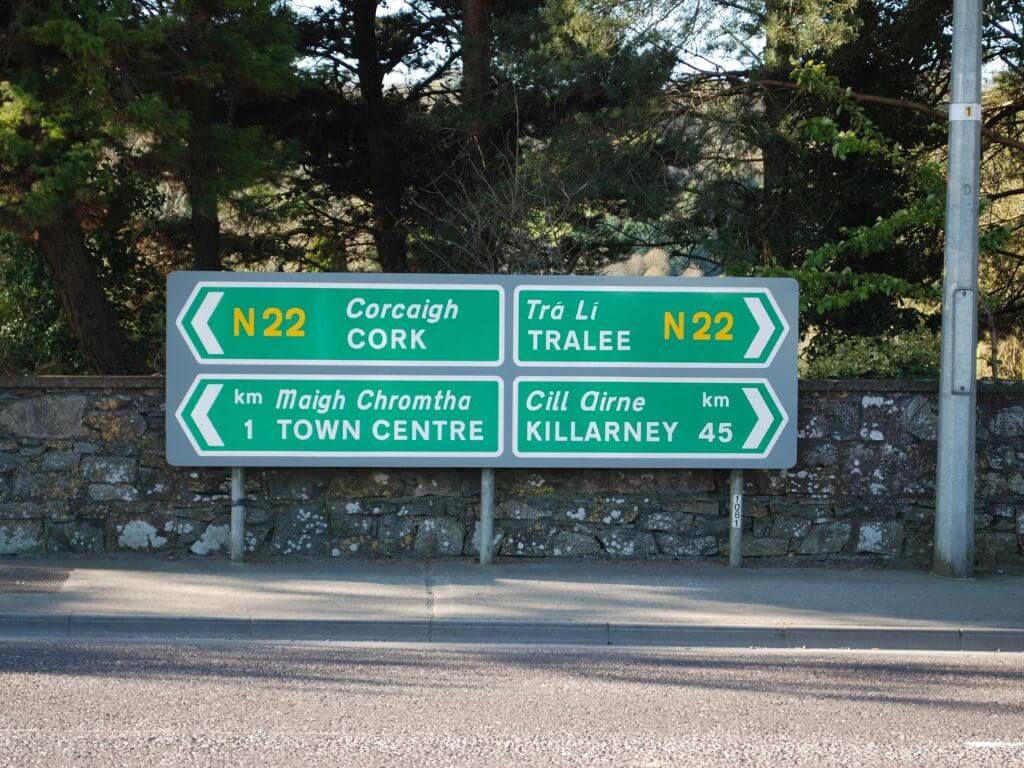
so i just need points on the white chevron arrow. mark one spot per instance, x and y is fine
(765, 328)
(764, 418)
(201, 323)
(201, 415)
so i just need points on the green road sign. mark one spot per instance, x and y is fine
(658, 327)
(322, 323)
(628, 418)
(253, 415)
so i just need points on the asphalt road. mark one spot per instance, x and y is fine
(332, 705)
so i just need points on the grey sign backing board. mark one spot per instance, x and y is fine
(370, 370)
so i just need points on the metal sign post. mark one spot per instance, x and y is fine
(486, 516)
(237, 514)
(954, 509)
(736, 518)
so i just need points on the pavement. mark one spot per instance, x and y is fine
(108, 705)
(671, 604)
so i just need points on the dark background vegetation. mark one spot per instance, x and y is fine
(570, 136)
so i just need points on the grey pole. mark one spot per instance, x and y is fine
(736, 518)
(237, 514)
(954, 509)
(486, 516)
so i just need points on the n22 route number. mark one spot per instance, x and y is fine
(702, 322)
(246, 321)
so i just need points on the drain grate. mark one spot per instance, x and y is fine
(20, 579)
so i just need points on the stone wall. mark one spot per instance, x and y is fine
(82, 470)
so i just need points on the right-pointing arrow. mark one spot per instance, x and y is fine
(201, 415)
(201, 323)
(765, 328)
(765, 419)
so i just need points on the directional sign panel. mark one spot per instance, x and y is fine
(244, 415)
(623, 418)
(660, 327)
(371, 370)
(274, 323)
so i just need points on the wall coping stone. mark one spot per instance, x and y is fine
(806, 385)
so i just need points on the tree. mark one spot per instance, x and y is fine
(63, 136)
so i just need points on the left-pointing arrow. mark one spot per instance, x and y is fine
(201, 323)
(201, 415)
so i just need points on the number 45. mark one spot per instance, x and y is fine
(724, 432)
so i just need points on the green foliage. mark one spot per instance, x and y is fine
(913, 354)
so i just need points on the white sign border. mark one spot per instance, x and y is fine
(187, 305)
(652, 289)
(180, 412)
(644, 455)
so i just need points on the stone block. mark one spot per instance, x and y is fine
(686, 546)
(817, 453)
(48, 416)
(710, 526)
(105, 492)
(365, 483)
(46, 485)
(60, 461)
(301, 485)
(627, 542)
(523, 539)
(395, 535)
(789, 527)
(758, 547)
(921, 418)
(110, 470)
(213, 540)
(882, 538)
(77, 536)
(997, 547)
(21, 537)
(669, 522)
(1008, 422)
(826, 538)
(574, 544)
(519, 509)
(439, 537)
(343, 526)
(115, 426)
(31, 510)
(140, 535)
(299, 530)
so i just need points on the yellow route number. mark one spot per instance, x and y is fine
(274, 318)
(701, 325)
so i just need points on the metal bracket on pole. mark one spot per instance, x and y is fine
(486, 516)
(736, 518)
(237, 514)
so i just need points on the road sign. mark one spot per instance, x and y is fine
(674, 354)
(331, 323)
(659, 327)
(250, 415)
(624, 418)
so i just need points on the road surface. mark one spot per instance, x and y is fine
(351, 706)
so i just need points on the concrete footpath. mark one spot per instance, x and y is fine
(565, 602)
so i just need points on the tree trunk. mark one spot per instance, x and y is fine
(386, 185)
(204, 225)
(476, 71)
(101, 339)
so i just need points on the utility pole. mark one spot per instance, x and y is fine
(954, 509)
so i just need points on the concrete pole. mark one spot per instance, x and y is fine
(486, 516)
(736, 518)
(237, 514)
(954, 509)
